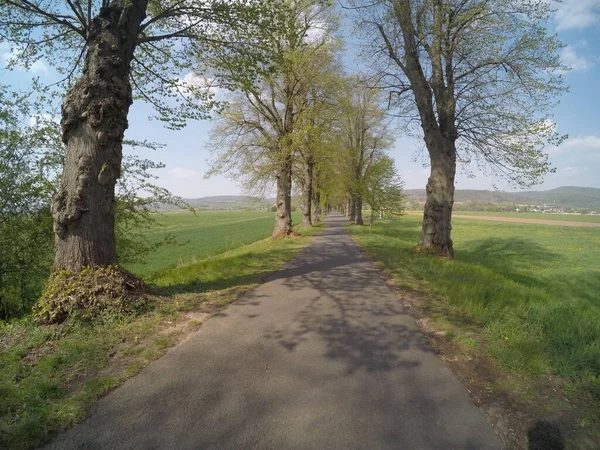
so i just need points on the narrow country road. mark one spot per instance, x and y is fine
(321, 356)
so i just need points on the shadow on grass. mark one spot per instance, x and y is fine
(511, 258)
(220, 272)
(523, 261)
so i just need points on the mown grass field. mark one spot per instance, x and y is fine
(533, 215)
(532, 291)
(201, 235)
(51, 375)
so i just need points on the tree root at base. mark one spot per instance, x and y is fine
(89, 294)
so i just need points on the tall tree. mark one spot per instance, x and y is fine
(117, 50)
(257, 136)
(314, 141)
(382, 188)
(364, 131)
(480, 76)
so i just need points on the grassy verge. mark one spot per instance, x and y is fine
(526, 295)
(50, 376)
(200, 235)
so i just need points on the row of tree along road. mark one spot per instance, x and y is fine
(476, 79)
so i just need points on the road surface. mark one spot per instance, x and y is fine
(321, 356)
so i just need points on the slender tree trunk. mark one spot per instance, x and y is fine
(283, 216)
(437, 216)
(4, 314)
(372, 218)
(94, 120)
(307, 195)
(348, 207)
(316, 206)
(358, 219)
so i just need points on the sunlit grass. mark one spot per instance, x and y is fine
(50, 376)
(200, 235)
(533, 290)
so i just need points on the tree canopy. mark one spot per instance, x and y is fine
(480, 78)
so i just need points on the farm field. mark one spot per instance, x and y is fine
(50, 379)
(527, 215)
(200, 235)
(532, 291)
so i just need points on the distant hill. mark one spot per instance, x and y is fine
(566, 196)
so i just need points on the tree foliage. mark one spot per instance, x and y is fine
(259, 134)
(25, 222)
(168, 37)
(480, 77)
(382, 189)
(488, 68)
(364, 133)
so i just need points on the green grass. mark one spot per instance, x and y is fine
(532, 290)
(533, 215)
(201, 235)
(50, 376)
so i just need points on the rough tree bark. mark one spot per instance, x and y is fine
(94, 120)
(357, 205)
(307, 195)
(283, 215)
(4, 313)
(316, 208)
(437, 121)
(437, 216)
(352, 210)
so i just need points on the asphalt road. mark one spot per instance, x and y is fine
(321, 356)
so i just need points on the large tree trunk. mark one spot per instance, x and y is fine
(316, 209)
(307, 195)
(352, 209)
(437, 216)
(94, 120)
(283, 216)
(357, 205)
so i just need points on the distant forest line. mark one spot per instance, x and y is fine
(569, 198)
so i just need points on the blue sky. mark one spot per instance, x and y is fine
(577, 160)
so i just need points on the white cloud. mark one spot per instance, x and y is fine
(576, 14)
(575, 62)
(181, 172)
(571, 171)
(191, 84)
(581, 145)
(13, 57)
(39, 67)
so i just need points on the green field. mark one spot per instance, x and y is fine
(50, 376)
(533, 215)
(532, 290)
(200, 235)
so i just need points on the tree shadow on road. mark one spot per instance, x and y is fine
(355, 315)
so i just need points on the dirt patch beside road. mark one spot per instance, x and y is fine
(562, 223)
